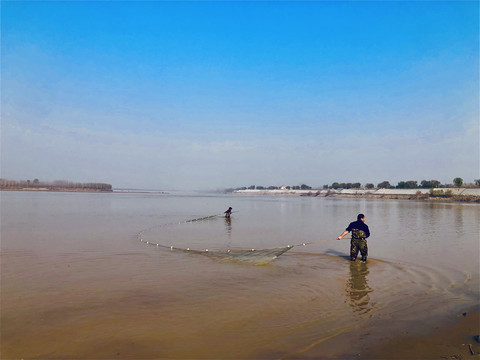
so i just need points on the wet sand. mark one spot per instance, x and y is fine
(454, 338)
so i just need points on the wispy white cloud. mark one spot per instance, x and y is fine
(159, 160)
(226, 147)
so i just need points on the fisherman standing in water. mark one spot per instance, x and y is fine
(360, 233)
(228, 212)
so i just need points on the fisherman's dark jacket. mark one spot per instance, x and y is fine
(361, 227)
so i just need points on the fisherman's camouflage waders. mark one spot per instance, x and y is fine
(358, 243)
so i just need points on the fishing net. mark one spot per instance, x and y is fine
(252, 256)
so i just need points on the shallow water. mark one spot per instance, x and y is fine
(78, 283)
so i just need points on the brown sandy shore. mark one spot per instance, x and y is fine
(454, 338)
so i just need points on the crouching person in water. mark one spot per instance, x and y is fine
(228, 212)
(360, 233)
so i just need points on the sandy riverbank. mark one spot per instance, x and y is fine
(455, 338)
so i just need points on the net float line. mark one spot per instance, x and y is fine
(257, 256)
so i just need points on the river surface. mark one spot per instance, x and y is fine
(79, 281)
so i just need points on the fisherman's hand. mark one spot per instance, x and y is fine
(339, 238)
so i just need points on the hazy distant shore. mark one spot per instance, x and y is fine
(55, 186)
(437, 194)
(56, 190)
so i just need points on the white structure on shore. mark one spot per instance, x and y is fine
(362, 192)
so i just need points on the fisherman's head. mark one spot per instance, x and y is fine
(230, 208)
(361, 217)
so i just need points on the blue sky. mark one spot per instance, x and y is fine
(206, 95)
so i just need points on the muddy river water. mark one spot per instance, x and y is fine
(76, 282)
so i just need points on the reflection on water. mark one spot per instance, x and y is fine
(228, 226)
(459, 220)
(357, 287)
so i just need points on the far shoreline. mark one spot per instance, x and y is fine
(465, 195)
(58, 190)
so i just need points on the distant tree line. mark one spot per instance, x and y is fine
(410, 184)
(58, 184)
(337, 185)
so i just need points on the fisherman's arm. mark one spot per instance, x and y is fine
(343, 234)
